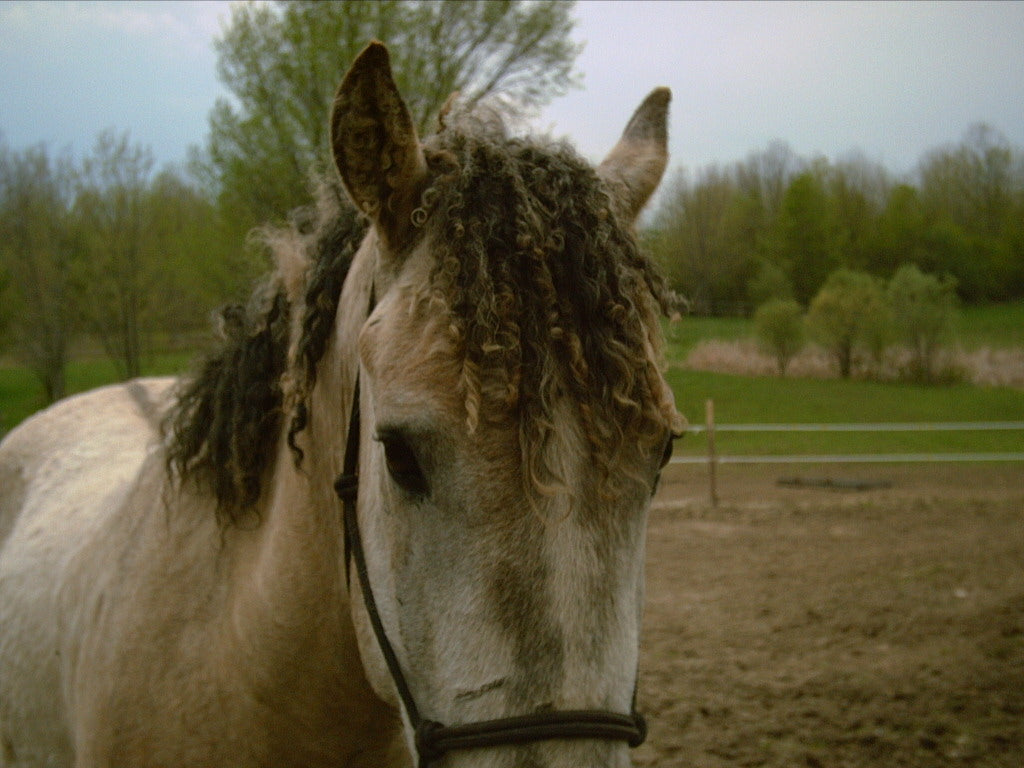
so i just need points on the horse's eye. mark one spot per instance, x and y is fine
(403, 466)
(667, 453)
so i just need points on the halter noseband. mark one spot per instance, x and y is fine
(433, 740)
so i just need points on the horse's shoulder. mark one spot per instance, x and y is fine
(98, 412)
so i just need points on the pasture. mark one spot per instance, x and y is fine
(812, 628)
(759, 400)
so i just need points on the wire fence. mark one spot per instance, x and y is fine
(1011, 456)
(854, 458)
(965, 426)
(711, 456)
(712, 459)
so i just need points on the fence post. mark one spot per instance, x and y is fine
(709, 423)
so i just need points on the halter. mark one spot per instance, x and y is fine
(433, 739)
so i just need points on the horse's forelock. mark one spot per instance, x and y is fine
(549, 293)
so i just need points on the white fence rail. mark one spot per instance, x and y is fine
(964, 426)
(712, 459)
(855, 458)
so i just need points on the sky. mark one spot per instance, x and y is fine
(887, 80)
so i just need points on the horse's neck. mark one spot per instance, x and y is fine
(289, 620)
(295, 557)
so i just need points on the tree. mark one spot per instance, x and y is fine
(701, 226)
(156, 252)
(806, 240)
(858, 190)
(901, 231)
(5, 303)
(769, 282)
(924, 308)
(779, 324)
(117, 275)
(972, 193)
(37, 252)
(198, 260)
(766, 175)
(283, 62)
(847, 315)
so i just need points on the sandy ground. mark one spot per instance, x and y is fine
(802, 627)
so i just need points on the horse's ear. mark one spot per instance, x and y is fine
(375, 146)
(633, 169)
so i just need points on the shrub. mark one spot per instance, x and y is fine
(924, 310)
(847, 316)
(779, 324)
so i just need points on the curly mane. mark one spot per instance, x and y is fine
(548, 293)
(222, 430)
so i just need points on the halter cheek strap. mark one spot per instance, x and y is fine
(433, 740)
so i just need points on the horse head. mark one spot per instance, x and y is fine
(513, 418)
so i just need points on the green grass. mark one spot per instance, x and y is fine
(20, 395)
(741, 399)
(684, 335)
(995, 325)
(757, 400)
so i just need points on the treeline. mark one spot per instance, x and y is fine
(776, 225)
(108, 249)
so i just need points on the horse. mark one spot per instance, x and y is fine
(397, 517)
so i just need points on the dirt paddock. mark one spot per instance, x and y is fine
(808, 627)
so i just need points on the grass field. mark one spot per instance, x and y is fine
(997, 325)
(750, 400)
(683, 335)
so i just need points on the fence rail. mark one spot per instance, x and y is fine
(858, 458)
(852, 458)
(711, 458)
(964, 426)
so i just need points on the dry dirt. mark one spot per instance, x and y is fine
(795, 627)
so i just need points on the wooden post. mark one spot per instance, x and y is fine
(709, 428)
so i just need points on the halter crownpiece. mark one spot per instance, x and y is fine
(433, 740)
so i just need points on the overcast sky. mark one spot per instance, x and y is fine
(891, 80)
